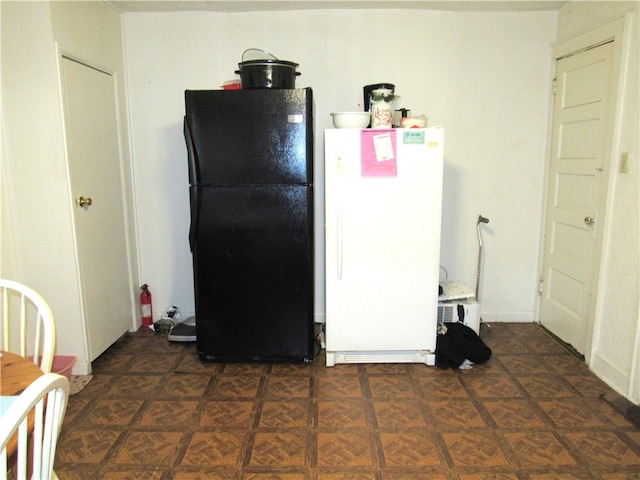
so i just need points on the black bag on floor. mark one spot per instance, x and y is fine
(460, 343)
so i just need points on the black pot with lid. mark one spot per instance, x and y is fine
(261, 69)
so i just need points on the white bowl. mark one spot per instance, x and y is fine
(351, 119)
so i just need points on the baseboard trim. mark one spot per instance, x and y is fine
(610, 374)
(81, 368)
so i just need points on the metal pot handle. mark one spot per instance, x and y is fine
(265, 55)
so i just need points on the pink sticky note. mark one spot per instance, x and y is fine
(378, 153)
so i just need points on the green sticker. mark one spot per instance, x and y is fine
(415, 137)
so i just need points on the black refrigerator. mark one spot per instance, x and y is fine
(250, 156)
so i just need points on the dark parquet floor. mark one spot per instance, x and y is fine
(533, 412)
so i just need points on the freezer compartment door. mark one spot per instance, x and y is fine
(253, 266)
(257, 136)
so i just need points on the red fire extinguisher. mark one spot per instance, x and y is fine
(146, 310)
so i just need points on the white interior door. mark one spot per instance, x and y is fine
(577, 191)
(94, 163)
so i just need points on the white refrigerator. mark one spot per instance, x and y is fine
(383, 208)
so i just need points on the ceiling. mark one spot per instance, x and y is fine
(269, 5)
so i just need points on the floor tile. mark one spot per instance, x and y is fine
(528, 364)
(284, 414)
(347, 448)
(274, 476)
(587, 385)
(156, 473)
(136, 386)
(342, 414)
(442, 386)
(346, 476)
(237, 387)
(564, 364)
(391, 386)
(490, 476)
(153, 410)
(340, 387)
(120, 411)
(145, 363)
(474, 450)
(279, 449)
(546, 386)
(183, 386)
(409, 448)
(603, 448)
(400, 413)
(539, 449)
(571, 413)
(227, 414)
(393, 475)
(456, 413)
(90, 446)
(556, 476)
(290, 386)
(216, 448)
(515, 414)
(494, 386)
(170, 414)
(150, 448)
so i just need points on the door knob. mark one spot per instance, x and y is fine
(588, 220)
(84, 202)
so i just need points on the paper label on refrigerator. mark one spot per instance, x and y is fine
(295, 118)
(415, 137)
(378, 153)
(383, 147)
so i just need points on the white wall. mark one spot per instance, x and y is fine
(37, 245)
(38, 248)
(484, 76)
(615, 355)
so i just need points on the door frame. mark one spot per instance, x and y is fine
(612, 30)
(128, 202)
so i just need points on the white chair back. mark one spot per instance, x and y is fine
(24, 308)
(44, 401)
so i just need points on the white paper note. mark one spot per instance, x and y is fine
(383, 147)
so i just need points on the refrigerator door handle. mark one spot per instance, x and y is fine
(192, 157)
(339, 240)
(193, 187)
(194, 197)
